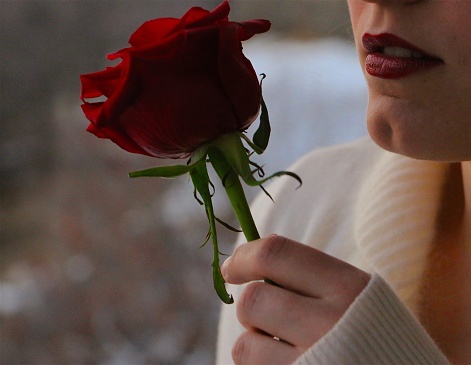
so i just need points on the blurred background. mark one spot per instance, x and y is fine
(97, 268)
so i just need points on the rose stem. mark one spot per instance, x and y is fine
(235, 193)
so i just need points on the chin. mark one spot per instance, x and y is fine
(401, 127)
(418, 147)
(405, 138)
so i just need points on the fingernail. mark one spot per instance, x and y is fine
(224, 267)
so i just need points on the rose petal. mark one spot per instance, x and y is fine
(100, 83)
(117, 136)
(125, 89)
(252, 27)
(153, 31)
(182, 83)
(92, 111)
(235, 70)
(218, 15)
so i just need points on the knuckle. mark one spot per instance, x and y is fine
(241, 349)
(269, 251)
(249, 302)
(350, 285)
(327, 318)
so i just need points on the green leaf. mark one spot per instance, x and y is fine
(262, 134)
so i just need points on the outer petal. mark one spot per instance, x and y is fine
(220, 14)
(125, 87)
(190, 108)
(119, 84)
(159, 36)
(118, 136)
(161, 48)
(115, 132)
(100, 83)
(237, 74)
(158, 29)
(252, 27)
(92, 111)
(153, 31)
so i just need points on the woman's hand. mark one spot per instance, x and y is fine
(313, 291)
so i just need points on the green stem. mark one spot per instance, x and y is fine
(235, 193)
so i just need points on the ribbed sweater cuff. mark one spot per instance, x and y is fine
(376, 329)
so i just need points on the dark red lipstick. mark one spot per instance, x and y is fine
(390, 57)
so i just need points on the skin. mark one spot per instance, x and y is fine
(437, 100)
(426, 115)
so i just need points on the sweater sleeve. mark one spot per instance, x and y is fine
(376, 329)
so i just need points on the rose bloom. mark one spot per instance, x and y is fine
(182, 83)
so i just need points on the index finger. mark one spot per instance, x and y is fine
(294, 266)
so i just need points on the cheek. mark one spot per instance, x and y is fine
(358, 13)
(355, 8)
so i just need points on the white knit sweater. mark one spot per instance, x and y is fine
(375, 210)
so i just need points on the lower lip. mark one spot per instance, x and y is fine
(390, 67)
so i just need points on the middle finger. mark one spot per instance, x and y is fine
(292, 317)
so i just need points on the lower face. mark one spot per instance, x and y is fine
(426, 113)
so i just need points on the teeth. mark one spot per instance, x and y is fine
(401, 52)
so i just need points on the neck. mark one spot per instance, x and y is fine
(466, 178)
(454, 220)
(446, 291)
(451, 213)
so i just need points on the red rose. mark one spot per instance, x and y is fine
(182, 83)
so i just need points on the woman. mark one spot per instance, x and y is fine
(385, 275)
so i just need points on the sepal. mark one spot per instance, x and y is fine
(262, 134)
(173, 171)
(200, 178)
(234, 152)
(163, 171)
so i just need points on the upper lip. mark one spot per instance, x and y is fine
(375, 43)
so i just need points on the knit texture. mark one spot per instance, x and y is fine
(365, 335)
(395, 220)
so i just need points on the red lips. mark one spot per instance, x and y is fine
(390, 57)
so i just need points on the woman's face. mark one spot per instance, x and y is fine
(416, 56)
